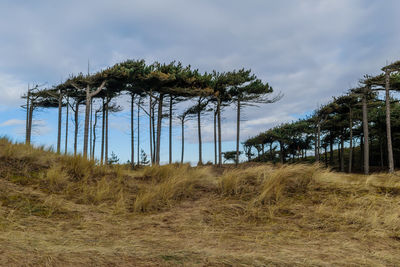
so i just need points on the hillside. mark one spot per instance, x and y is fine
(59, 210)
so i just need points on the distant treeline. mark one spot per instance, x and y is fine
(358, 120)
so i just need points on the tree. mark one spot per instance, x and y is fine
(113, 159)
(143, 158)
(247, 90)
(231, 155)
(183, 118)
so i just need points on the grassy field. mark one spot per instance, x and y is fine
(64, 211)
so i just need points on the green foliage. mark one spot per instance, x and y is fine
(143, 158)
(230, 155)
(113, 159)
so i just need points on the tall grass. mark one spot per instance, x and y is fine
(172, 183)
(64, 200)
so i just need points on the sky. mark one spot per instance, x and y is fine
(309, 50)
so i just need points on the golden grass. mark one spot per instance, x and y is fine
(58, 210)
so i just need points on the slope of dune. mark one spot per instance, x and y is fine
(64, 211)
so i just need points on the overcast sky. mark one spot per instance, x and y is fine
(309, 50)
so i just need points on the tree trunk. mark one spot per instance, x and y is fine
(238, 132)
(215, 137)
(365, 133)
(342, 153)
(132, 133)
(66, 128)
(170, 129)
(281, 152)
(153, 119)
(331, 149)
(27, 116)
(89, 96)
(59, 122)
(199, 132)
(103, 120)
(76, 127)
(86, 127)
(270, 151)
(31, 108)
(159, 121)
(94, 136)
(388, 127)
(381, 152)
(138, 133)
(326, 155)
(318, 141)
(219, 132)
(362, 152)
(183, 139)
(351, 140)
(91, 130)
(151, 128)
(106, 136)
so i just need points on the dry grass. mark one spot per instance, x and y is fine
(59, 210)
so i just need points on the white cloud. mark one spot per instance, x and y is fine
(11, 90)
(12, 122)
(309, 50)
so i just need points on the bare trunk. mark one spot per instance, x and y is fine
(365, 133)
(215, 137)
(271, 153)
(66, 128)
(381, 152)
(238, 132)
(351, 140)
(183, 139)
(91, 130)
(59, 122)
(362, 152)
(342, 153)
(219, 133)
(106, 136)
(76, 127)
(27, 116)
(86, 127)
(89, 96)
(153, 119)
(31, 108)
(103, 119)
(199, 133)
(94, 135)
(138, 134)
(150, 128)
(318, 141)
(281, 152)
(132, 133)
(159, 125)
(388, 127)
(170, 129)
(331, 149)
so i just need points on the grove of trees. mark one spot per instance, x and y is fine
(353, 132)
(153, 90)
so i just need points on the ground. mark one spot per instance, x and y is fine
(183, 216)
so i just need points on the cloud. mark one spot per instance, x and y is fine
(309, 50)
(11, 90)
(12, 122)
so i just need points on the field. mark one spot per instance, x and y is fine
(63, 211)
